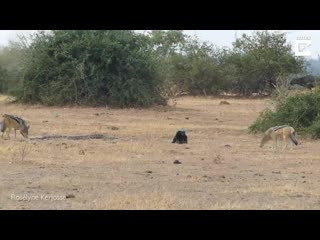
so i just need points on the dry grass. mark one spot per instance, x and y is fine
(222, 165)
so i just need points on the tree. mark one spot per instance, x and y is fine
(91, 67)
(185, 63)
(11, 65)
(3, 79)
(261, 59)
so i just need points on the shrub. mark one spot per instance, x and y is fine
(300, 111)
(90, 67)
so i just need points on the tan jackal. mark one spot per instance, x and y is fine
(285, 132)
(10, 121)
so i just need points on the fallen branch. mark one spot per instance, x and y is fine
(73, 137)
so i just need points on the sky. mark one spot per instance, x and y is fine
(221, 38)
(226, 37)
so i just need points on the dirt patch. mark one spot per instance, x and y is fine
(130, 163)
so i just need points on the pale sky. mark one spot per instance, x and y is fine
(220, 38)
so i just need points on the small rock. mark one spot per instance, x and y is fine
(97, 114)
(189, 176)
(217, 159)
(202, 159)
(304, 182)
(187, 148)
(114, 128)
(258, 174)
(45, 121)
(217, 119)
(227, 146)
(303, 176)
(148, 171)
(224, 103)
(276, 172)
(177, 162)
(81, 152)
(177, 174)
(205, 176)
(70, 196)
(223, 176)
(187, 118)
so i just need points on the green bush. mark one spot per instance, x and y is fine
(90, 67)
(314, 129)
(300, 111)
(266, 120)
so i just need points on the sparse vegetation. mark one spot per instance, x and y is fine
(217, 159)
(222, 168)
(21, 153)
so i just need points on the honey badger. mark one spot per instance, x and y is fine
(180, 137)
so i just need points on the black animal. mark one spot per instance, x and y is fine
(180, 137)
(308, 81)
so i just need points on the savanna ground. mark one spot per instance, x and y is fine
(222, 166)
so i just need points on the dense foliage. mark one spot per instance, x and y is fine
(125, 68)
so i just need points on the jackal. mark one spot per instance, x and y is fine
(285, 132)
(10, 121)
